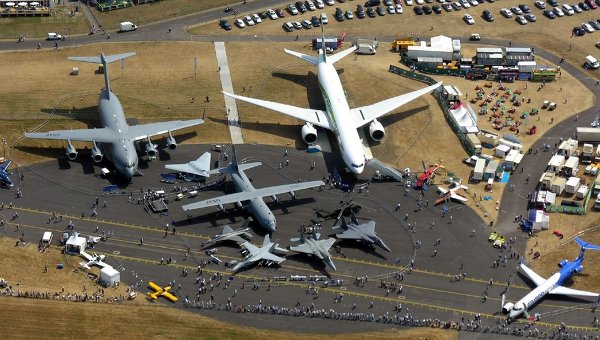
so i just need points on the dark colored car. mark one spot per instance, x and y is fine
(418, 10)
(549, 14)
(224, 25)
(380, 10)
(339, 14)
(301, 6)
(437, 9)
(584, 6)
(427, 9)
(372, 3)
(578, 31)
(280, 13)
(553, 3)
(315, 21)
(488, 16)
(360, 12)
(525, 8)
(371, 12)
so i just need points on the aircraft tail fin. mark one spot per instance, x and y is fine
(267, 240)
(586, 246)
(104, 60)
(5, 165)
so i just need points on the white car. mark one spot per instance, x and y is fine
(54, 36)
(419, 2)
(558, 12)
(249, 20)
(256, 18)
(474, 3)
(399, 9)
(465, 4)
(469, 19)
(297, 25)
(324, 19)
(506, 13)
(587, 27)
(271, 13)
(391, 9)
(319, 4)
(349, 15)
(240, 23)
(409, 2)
(311, 5)
(540, 4)
(329, 2)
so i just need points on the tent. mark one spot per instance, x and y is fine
(75, 244)
(537, 220)
(109, 277)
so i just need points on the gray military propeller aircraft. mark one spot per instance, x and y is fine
(313, 246)
(360, 232)
(116, 138)
(246, 192)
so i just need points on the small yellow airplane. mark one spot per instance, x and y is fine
(158, 292)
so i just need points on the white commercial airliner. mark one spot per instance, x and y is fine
(553, 285)
(338, 116)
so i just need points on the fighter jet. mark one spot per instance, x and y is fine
(263, 253)
(313, 246)
(247, 192)
(199, 167)
(115, 137)
(4, 179)
(228, 234)
(364, 232)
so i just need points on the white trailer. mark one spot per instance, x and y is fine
(582, 192)
(570, 167)
(558, 185)
(585, 134)
(572, 185)
(479, 169)
(568, 148)
(587, 154)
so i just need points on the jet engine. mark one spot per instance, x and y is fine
(376, 130)
(171, 142)
(309, 133)
(274, 198)
(151, 149)
(239, 204)
(71, 152)
(563, 263)
(507, 307)
(578, 269)
(292, 195)
(97, 154)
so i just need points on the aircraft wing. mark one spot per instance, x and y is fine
(142, 131)
(198, 167)
(155, 286)
(560, 290)
(5, 165)
(368, 228)
(100, 135)
(250, 247)
(272, 257)
(169, 296)
(533, 276)
(226, 199)
(303, 248)
(443, 190)
(350, 235)
(366, 114)
(458, 197)
(285, 188)
(315, 117)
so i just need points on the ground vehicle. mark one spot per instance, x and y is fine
(329, 2)
(506, 13)
(240, 23)
(598, 44)
(516, 10)
(311, 5)
(473, 3)
(391, 9)
(324, 19)
(578, 31)
(387, 2)
(127, 26)
(249, 20)
(360, 12)
(567, 9)
(591, 3)
(47, 238)
(592, 62)
(499, 242)
(488, 16)
(540, 4)
(288, 26)
(339, 14)
(307, 24)
(224, 24)
(297, 25)
(595, 25)
(54, 36)
(530, 17)
(558, 12)
(349, 15)
(380, 11)
(577, 9)
(371, 12)
(371, 3)
(553, 3)
(521, 20)
(493, 236)
(419, 2)
(315, 21)
(280, 13)
(447, 7)
(292, 9)
(587, 27)
(418, 10)
(469, 19)
(475, 37)
(256, 18)
(465, 4)
(435, 8)
(549, 14)
(301, 7)
(319, 4)
(427, 10)
(409, 2)
(457, 6)
(525, 8)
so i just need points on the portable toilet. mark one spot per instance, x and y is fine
(582, 192)
(572, 185)
(558, 185)
(479, 169)
(109, 276)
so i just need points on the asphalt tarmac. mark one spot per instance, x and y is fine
(71, 188)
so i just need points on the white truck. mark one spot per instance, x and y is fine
(127, 26)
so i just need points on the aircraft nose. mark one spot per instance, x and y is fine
(271, 226)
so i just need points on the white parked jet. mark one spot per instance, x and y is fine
(263, 253)
(337, 116)
(553, 285)
(199, 167)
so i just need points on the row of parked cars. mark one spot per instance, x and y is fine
(553, 9)
(315, 21)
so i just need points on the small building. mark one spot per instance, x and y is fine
(512, 160)
(488, 139)
(511, 144)
(366, 46)
(465, 118)
(490, 170)
(489, 56)
(541, 199)
(75, 244)
(514, 55)
(526, 66)
(451, 93)
(479, 169)
(582, 192)
(558, 185)
(568, 148)
(430, 62)
(502, 150)
(109, 277)
(439, 47)
(572, 185)
(474, 142)
(556, 163)
(570, 166)
(538, 220)
(546, 180)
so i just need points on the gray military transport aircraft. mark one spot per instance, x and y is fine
(247, 192)
(116, 139)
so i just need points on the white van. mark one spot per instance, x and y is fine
(592, 62)
(568, 9)
(127, 26)
(54, 36)
(47, 238)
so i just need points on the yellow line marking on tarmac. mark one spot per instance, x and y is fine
(333, 289)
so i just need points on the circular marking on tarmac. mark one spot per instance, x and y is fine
(173, 261)
(116, 252)
(401, 297)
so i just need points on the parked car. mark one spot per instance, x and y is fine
(578, 31)
(595, 25)
(525, 8)
(549, 14)
(256, 18)
(297, 25)
(521, 20)
(280, 13)
(506, 13)
(409, 2)
(469, 19)
(311, 5)
(315, 21)
(391, 9)
(288, 26)
(540, 4)
(576, 8)
(329, 2)
(339, 14)
(584, 6)
(516, 10)
(436, 9)
(371, 12)
(380, 11)
(249, 20)
(292, 9)
(301, 7)
(456, 6)
(239, 23)
(224, 24)
(349, 15)
(530, 17)
(319, 4)
(447, 7)
(553, 3)
(427, 10)
(592, 4)
(587, 27)
(465, 4)
(558, 12)
(488, 16)
(324, 19)
(307, 24)
(418, 10)
(272, 15)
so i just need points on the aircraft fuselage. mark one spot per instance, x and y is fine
(257, 206)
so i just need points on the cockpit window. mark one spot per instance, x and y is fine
(358, 166)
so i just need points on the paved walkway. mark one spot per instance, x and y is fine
(233, 117)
